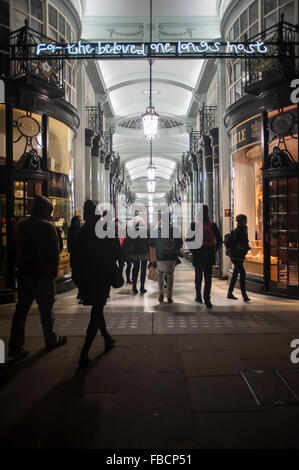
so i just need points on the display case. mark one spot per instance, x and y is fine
(282, 234)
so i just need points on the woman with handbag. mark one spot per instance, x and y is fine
(95, 260)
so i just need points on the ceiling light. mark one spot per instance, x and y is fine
(150, 118)
(151, 184)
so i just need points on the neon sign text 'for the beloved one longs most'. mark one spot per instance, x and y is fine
(167, 49)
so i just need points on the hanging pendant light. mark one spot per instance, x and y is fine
(151, 170)
(151, 184)
(150, 117)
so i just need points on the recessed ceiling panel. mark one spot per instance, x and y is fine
(140, 8)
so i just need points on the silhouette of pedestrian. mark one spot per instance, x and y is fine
(204, 257)
(237, 244)
(37, 259)
(167, 248)
(94, 258)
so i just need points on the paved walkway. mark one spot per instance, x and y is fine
(179, 377)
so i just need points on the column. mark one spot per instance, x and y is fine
(88, 172)
(224, 164)
(79, 163)
(95, 170)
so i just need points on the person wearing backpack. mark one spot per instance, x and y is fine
(237, 247)
(203, 258)
(167, 249)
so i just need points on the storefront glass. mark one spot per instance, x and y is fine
(26, 134)
(2, 135)
(61, 155)
(247, 187)
(3, 241)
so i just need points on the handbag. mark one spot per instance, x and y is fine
(152, 274)
(117, 280)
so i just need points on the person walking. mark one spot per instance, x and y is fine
(137, 249)
(37, 259)
(237, 245)
(75, 226)
(167, 248)
(94, 258)
(203, 258)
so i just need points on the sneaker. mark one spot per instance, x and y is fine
(246, 299)
(198, 299)
(19, 355)
(169, 300)
(161, 298)
(230, 295)
(143, 290)
(61, 341)
(109, 342)
(208, 304)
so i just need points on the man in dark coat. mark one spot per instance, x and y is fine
(94, 259)
(238, 247)
(37, 258)
(204, 257)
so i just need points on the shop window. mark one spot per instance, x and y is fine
(37, 9)
(269, 5)
(244, 21)
(61, 154)
(32, 11)
(60, 147)
(61, 25)
(52, 17)
(283, 230)
(247, 188)
(3, 241)
(60, 30)
(2, 135)
(26, 134)
(253, 12)
(236, 29)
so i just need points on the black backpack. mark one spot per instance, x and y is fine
(228, 243)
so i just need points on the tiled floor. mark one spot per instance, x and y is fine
(179, 376)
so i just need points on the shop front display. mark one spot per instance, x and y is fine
(247, 187)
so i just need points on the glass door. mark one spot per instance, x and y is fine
(282, 235)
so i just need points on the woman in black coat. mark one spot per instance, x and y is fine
(94, 258)
(238, 249)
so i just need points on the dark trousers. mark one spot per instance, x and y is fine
(96, 322)
(128, 270)
(139, 265)
(207, 271)
(29, 289)
(238, 268)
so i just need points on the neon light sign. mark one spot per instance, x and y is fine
(156, 49)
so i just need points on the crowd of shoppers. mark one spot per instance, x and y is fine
(97, 265)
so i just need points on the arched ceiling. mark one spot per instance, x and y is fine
(126, 82)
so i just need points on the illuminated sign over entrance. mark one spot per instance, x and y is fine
(106, 50)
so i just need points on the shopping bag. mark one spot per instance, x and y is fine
(152, 274)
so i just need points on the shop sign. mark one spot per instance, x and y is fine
(102, 50)
(246, 133)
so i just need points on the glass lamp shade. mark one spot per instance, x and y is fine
(151, 172)
(150, 123)
(151, 184)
